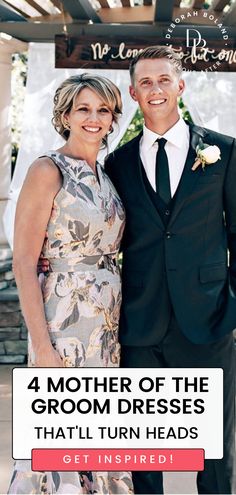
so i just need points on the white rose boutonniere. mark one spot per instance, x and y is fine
(206, 155)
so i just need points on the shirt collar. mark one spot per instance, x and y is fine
(176, 135)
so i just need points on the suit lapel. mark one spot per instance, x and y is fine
(189, 177)
(137, 176)
(187, 181)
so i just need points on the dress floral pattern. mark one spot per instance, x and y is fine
(82, 298)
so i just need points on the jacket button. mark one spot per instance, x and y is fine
(167, 212)
(168, 235)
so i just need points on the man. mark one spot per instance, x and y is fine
(179, 295)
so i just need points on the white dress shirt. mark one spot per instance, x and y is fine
(176, 149)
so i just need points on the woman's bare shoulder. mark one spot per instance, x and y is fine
(44, 169)
(44, 164)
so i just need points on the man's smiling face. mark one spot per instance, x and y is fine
(156, 88)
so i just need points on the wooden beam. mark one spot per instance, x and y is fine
(56, 4)
(163, 11)
(145, 14)
(81, 10)
(126, 3)
(45, 32)
(53, 18)
(104, 4)
(9, 14)
(198, 4)
(17, 10)
(37, 7)
(219, 4)
(127, 14)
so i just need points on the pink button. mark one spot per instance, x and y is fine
(117, 459)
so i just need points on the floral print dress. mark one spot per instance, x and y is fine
(82, 297)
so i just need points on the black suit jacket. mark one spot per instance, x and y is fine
(184, 266)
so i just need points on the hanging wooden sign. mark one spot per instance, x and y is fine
(88, 52)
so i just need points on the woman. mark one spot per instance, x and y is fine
(69, 211)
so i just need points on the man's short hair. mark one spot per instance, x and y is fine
(157, 51)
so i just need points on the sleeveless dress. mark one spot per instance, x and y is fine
(82, 297)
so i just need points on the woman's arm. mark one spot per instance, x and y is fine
(33, 211)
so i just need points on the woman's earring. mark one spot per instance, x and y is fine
(111, 129)
(66, 125)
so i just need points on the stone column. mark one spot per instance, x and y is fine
(8, 46)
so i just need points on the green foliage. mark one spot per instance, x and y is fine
(134, 128)
(184, 111)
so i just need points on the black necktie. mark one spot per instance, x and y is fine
(162, 172)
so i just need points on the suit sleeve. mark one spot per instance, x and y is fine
(108, 166)
(230, 213)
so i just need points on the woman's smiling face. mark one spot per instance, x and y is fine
(89, 119)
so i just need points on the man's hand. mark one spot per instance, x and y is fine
(43, 265)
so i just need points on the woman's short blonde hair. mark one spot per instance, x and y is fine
(67, 92)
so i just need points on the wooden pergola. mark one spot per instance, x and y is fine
(34, 20)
